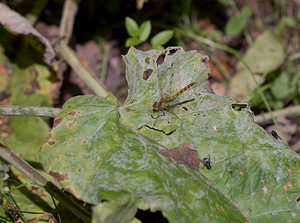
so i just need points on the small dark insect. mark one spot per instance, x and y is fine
(206, 162)
(275, 135)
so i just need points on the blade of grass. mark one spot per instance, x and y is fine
(18, 208)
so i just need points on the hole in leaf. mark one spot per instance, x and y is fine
(239, 106)
(298, 199)
(147, 74)
(204, 59)
(149, 217)
(161, 59)
(172, 51)
(147, 60)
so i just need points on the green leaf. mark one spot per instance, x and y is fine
(145, 30)
(132, 41)
(102, 151)
(235, 25)
(281, 88)
(246, 11)
(31, 84)
(161, 38)
(289, 21)
(242, 84)
(131, 27)
(264, 56)
(115, 212)
(159, 47)
(25, 82)
(266, 53)
(227, 2)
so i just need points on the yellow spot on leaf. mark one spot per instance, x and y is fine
(116, 137)
(220, 208)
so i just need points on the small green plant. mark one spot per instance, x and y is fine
(287, 21)
(239, 18)
(236, 24)
(139, 34)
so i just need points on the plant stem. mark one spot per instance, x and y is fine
(29, 111)
(285, 111)
(8, 155)
(88, 77)
(103, 68)
(67, 20)
(65, 32)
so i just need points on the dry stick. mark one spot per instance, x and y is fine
(9, 156)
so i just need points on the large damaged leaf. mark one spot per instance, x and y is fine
(97, 158)
(25, 83)
(100, 151)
